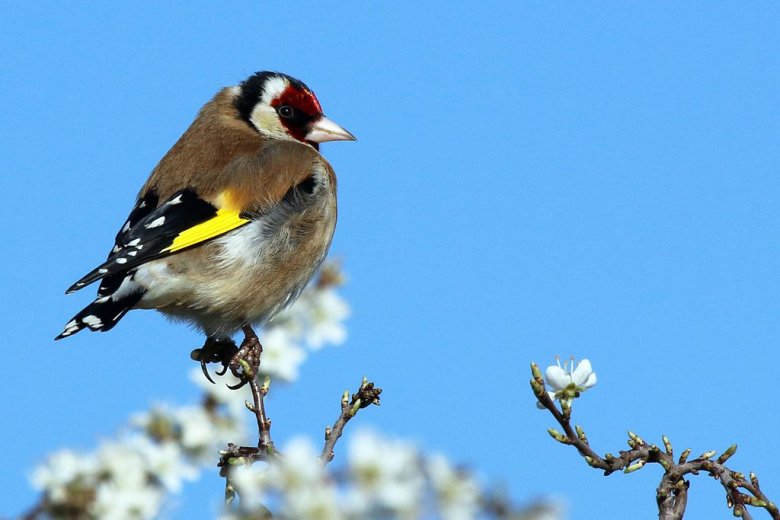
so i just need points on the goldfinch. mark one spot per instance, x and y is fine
(233, 221)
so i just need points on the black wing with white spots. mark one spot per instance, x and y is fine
(142, 208)
(112, 304)
(146, 238)
(151, 231)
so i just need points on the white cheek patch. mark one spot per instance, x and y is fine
(265, 120)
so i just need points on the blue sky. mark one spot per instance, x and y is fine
(531, 179)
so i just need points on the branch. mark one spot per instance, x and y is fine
(245, 365)
(672, 492)
(366, 395)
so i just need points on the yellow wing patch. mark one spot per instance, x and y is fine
(225, 220)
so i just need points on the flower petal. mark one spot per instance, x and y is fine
(557, 377)
(581, 374)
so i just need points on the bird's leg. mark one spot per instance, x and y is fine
(215, 350)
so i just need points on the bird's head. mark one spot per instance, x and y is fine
(283, 107)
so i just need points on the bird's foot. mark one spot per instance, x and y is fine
(245, 363)
(215, 351)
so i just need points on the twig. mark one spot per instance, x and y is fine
(248, 360)
(245, 365)
(366, 395)
(672, 492)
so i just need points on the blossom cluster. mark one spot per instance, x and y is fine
(130, 476)
(382, 478)
(133, 476)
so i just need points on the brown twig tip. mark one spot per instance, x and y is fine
(684, 456)
(636, 439)
(726, 455)
(366, 395)
(667, 445)
(634, 467)
(558, 436)
(707, 455)
(537, 388)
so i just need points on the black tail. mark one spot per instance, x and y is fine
(102, 314)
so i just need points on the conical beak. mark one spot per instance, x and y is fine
(324, 130)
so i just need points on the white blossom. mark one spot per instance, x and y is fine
(300, 476)
(127, 487)
(282, 357)
(250, 485)
(300, 466)
(115, 502)
(386, 474)
(166, 462)
(62, 469)
(197, 430)
(457, 492)
(317, 318)
(202, 432)
(123, 464)
(297, 481)
(327, 311)
(567, 381)
(233, 400)
(313, 503)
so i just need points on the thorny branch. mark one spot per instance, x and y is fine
(672, 492)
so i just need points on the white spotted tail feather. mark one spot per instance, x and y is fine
(103, 313)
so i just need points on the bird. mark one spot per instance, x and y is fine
(233, 221)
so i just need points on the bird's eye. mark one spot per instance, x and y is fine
(285, 111)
